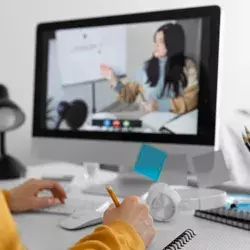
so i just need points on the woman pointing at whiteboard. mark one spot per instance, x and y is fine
(168, 81)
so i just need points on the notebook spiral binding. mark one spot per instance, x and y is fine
(181, 240)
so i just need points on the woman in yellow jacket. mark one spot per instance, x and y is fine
(128, 227)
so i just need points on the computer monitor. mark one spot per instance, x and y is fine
(105, 85)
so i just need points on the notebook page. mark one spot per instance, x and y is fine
(207, 239)
(214, 240)
(163, 238)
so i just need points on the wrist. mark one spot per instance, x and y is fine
(132, 237)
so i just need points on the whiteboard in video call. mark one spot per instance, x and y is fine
(80, 52)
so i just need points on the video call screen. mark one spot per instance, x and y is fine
(141, 77)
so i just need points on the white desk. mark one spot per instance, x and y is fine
(38, 229)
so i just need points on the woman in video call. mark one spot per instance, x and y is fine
(168, 81)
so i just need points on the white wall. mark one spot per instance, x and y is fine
(18, 20)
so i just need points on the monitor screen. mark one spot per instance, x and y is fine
(127, 77)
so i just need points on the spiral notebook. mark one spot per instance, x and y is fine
(189, 239)
(230, 217)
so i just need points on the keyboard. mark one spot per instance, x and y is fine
(73, 205)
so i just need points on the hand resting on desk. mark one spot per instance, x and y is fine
(128, 226)
(25, 197)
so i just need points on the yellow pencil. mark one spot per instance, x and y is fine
(113, 195)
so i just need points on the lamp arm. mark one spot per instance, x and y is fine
(2, 135)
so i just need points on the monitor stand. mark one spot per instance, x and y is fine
(129, 182)
(125, 184)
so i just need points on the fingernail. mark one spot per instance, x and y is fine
(50, 201)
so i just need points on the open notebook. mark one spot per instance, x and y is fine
(203, 240)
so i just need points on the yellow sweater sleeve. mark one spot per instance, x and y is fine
(113, 236)
(9, 238)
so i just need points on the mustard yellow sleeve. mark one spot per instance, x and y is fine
(113, 236)
(9, 238)
(128, 92)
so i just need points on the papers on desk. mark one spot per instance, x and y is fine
(156, 120)
(185, 124)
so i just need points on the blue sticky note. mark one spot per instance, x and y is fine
(150, 162)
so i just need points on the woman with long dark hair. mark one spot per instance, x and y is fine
(168, 81)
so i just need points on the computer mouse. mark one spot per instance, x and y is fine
(78, 221)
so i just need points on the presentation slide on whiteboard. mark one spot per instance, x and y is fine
(81, 51)
(133, 77)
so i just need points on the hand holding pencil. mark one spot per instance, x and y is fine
(132, 212)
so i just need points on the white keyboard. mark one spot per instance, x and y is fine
(73, 205)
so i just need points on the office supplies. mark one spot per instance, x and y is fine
(181, 241)
(82, 219)
(63, 75)
(112, 195)
(165, 202)
(240, 199)
(236, 153)
(11, 118)
(225, 219)
(246, 138)
(150, 162)
(246, 141)
(235, 212)
(73, 205)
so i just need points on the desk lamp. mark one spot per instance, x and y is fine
(11, 117)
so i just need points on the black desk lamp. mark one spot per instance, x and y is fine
(11, 117)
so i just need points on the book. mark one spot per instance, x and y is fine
(236, 212)
(200, 239)
(240, 223)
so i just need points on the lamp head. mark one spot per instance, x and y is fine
(11, 116)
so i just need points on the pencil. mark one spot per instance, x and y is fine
(246, 141)
(113, 195)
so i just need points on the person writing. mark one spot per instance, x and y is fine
(127, 227)
(168, 81)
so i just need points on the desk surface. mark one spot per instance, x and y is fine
(38, 229)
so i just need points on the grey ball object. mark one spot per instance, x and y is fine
(163, 202)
